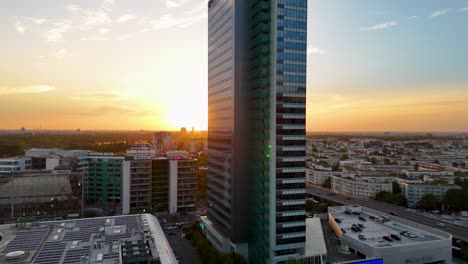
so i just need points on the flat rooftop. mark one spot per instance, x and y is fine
(375, 230)
(107, 240)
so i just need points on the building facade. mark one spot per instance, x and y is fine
(361, 188)
(414, 191)
(103, 181)
(136, 186)
(256, 130)
(182, 182)
(41, 194)
(13, 165)
(160, 184)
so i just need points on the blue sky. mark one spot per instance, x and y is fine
(382, 65)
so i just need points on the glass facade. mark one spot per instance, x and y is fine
(257, 137)
(160, 185)
(44, 195)
(104, 180)
(221, 92)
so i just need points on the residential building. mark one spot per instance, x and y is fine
(382, 237)
(160, 184)
(414, 191)
(256, 134)
(162, 141)
(361, 187)
(182, 182)
(104, 240)
(136, 186)
(103, 180)
(14, 165)
(44, 194)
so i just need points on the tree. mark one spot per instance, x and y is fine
(327, 183)
(396, 187)
(456, 199)
(455, 164)
(428, 201)
(416, 167)
(344, 157)
(309, 206)
(439, 181)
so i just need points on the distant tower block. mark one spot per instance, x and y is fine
(183, 131)
(23, 130)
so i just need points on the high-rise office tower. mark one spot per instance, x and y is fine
(256, 129)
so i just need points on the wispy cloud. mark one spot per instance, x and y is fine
(107, 5)
(55, 33)
(100, 96)
(125, 18)
(412, 17)
(38, 21)
(8, 90)
(60, 54)
(315, 50)
(463, 9)
(174, 3)
(384, 25)
(170, 21)
(19, 27)
(115, 110)
(440, 12)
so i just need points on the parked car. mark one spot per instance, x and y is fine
(338, 220)
(342, 230)
(393, 213)
(355, 229)
(387, 238)
(356, 213)
(348, 212)
(396, 237)
(372, 217)
(362, 219)
(362, 237)
(361, 226)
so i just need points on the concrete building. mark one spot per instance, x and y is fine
(315, 248)
(360, 187)
(44, 194)
(162, 141)
(103, 180)
(182, 182)
(163, 184)
(390, 238)
(141, 150)
(48, 159)
(136, 186)
(414, 190)
(14, 165)
(256, 134)
(104, 240)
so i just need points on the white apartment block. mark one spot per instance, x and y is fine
(359, 187)
(415, 191)
(18, 164)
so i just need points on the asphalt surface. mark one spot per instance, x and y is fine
(182, 248)
(456, 231)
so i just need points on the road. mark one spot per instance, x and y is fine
(182, 247)
(456, 231)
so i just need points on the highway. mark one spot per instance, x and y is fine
(456, 231)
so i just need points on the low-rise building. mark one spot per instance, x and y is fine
(44, 194)
(104, 240)
(414, 191)
(360, 187)
(182, 182)
(13, 165)
(393, 239)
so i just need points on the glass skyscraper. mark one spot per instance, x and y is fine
(256, 129)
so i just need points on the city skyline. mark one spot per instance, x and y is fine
(93, 64)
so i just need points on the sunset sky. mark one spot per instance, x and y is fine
(393, 65)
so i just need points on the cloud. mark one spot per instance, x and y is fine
(170, 21)
(55, 33)
(8, 90)
(20, 28)
(125, 18)
(38, 21)
(174, 3)
(315, 50)
(101, 96)
(464, 9)
(94, 17)
(103, 31)
(115, 110)
(440, 13)
(107, 5)
(412, 17)
(384, 25)
(61, 54)
(73, 9)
